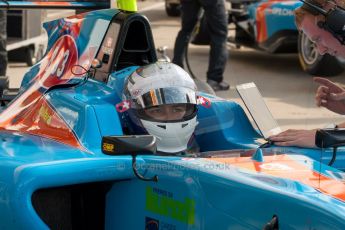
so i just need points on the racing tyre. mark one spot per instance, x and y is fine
(173, 10)
(314, 63)
(30, 58)
(4, 84)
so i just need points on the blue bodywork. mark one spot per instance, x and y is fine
(55, 176)
(272, 25)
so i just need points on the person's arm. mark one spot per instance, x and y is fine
(330, 95)
(295, 137)
(298, 137)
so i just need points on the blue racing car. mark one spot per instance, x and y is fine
(66, 161)
(268, 25)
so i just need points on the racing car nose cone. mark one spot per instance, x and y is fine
(258, 156)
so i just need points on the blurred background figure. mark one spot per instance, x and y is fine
(3, 37)
(217, 24)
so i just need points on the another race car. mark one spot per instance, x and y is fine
(66, 162)
(270, 26)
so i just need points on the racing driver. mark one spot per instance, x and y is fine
(161, 101)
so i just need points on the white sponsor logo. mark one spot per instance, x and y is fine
(275, 166)
(281, 12)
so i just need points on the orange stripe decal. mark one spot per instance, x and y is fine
(283, 166)
(30, 112)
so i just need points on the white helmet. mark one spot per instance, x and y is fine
(162, 100)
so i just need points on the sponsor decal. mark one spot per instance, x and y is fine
(44, 114)
(163, 203)
(275, 166)
(167, 226)
(280, 11)
(151, 224)
(136, 92)
(154, 224)
(162, 192)
(108, 147)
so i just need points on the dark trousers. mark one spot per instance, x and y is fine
(3, 38)
(217, 25)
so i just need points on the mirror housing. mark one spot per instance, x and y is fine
(325, 138)
(129, 145)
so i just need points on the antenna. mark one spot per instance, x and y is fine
(315, 7)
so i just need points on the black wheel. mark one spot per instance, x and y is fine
(172, 9)
(314, 63)
(4, 84)
(30, 58)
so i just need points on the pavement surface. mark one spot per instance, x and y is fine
(287, 90)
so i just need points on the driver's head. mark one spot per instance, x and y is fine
(309, 21)
(162, 98)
